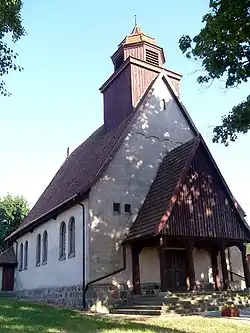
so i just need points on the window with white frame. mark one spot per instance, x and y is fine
(62, 241)
(21, 257)
(45, 248)
(71, 236)
(26, 247)
(38, 250)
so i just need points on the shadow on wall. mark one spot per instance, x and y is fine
(159, 128)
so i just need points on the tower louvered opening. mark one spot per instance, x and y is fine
(152, 57)
(119, 61)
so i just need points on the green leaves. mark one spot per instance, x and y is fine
(13, 210)
(237, 121)
(223, 46)
(10, 24)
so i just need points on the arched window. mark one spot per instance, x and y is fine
(38, 250)
(45, 248)
(21, 258)
(25, 265)
(62, 241)
(71, 235)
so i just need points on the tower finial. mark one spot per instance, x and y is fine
(136, 30)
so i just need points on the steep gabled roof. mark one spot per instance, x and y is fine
(82, 169)
(8, 257)
(165, 189)
(78, 172)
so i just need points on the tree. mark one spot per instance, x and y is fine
(223, 46)
(10, 26)
(13, 210)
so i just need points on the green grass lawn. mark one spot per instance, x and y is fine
(23, 317)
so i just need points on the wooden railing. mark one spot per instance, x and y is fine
(240, 276)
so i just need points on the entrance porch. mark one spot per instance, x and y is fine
(173, 264)
(8, 264)
(189, 219)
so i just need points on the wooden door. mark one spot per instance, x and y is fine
(175, 270)
(8, 279)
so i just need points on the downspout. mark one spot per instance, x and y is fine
(83, 255)
(86, 286)
(107, 275)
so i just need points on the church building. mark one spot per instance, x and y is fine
(140, 207)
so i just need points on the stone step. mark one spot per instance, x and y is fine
(182, 303)
(7, 294)
(133, 311)
(141, 307)
(189, 297)
(157, 300)
(146, 301)
(205, 294)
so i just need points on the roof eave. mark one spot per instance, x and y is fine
(29, 227)
(225, 184)
(129, 60)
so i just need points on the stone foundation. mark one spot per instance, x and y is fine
(150, 288)
(99, 297)
(107, 296)
(66, 296)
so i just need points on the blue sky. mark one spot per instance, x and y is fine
(56, 102)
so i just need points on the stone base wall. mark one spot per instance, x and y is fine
(101, 297)
(66, 296)
(150, 288)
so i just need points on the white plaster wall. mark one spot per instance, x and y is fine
(55, 273)
(125, 276)
(203, 266)
(1, 277)
(237, 266)
(129, 176)
(236, 260)
(149, 265)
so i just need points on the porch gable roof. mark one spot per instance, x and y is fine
(165, 191)
(8, 257)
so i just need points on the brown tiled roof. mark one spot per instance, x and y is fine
(164, 190)
(8, 257)
(79, 171)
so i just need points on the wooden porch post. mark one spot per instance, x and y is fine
(215, 269)
(224, 267)
(245, 265)
(162, 262)
(190, 266)
(136, 249)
